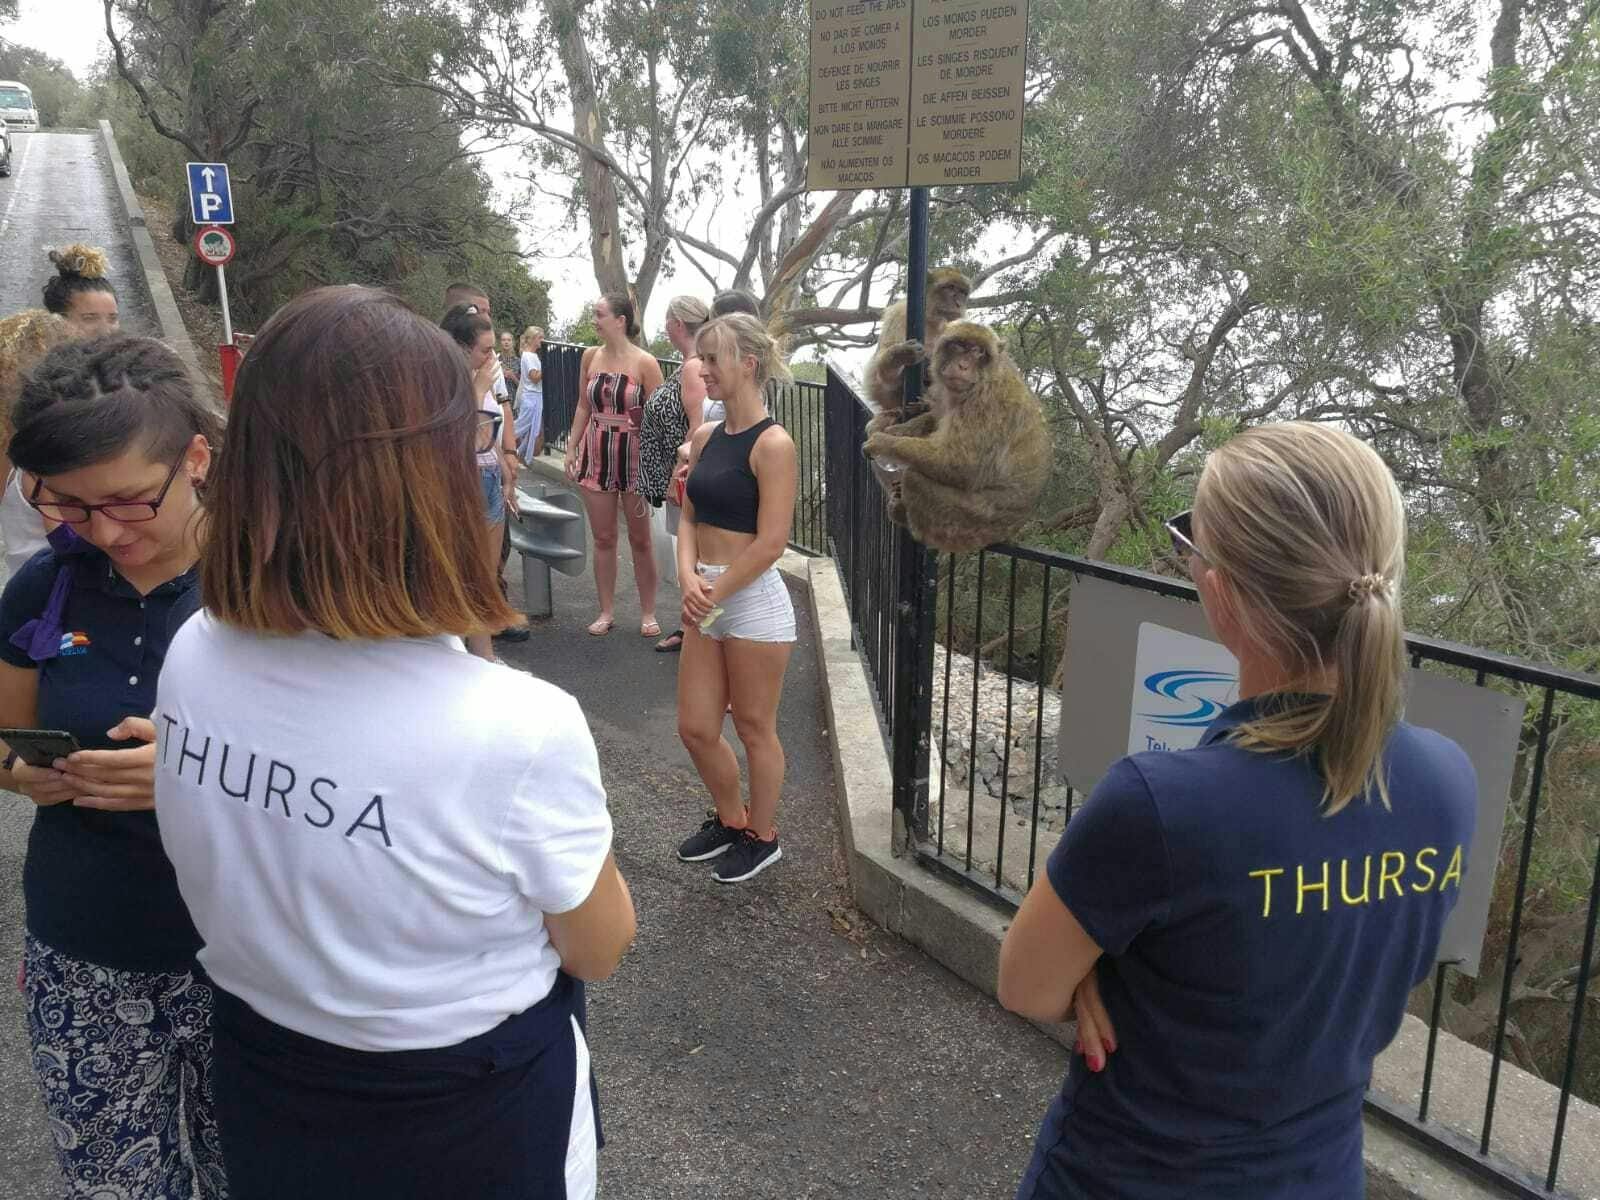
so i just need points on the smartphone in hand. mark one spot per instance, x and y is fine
(40, 747)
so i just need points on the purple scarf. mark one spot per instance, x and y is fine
(41, 637)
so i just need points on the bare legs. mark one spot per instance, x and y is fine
(602, 509)
(751, 674)
(637, 512)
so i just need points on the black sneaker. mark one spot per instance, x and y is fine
(750, 857)
(515, 633)
(713, 839)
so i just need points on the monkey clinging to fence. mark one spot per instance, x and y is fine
(974, 466)
(948, 290)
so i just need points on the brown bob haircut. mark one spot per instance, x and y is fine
(346, 499)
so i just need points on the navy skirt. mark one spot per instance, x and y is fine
(501, 1116)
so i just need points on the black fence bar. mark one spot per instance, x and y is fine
(1575, 1033)
(1529, 828)
(797, 406)
(855, 520)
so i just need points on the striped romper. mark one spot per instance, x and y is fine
(610, 460)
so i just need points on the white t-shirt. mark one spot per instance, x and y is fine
(20, 524)
(490, 404)
(530, 387)
(367, 833)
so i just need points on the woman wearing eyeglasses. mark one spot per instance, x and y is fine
(1237, 927)
(472, 330)
(118, 446)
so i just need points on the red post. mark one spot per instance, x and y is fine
(230, 356)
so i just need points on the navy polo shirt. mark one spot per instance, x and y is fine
(1258, 956)
(97, 884)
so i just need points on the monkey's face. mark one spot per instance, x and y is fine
(950, 300)
(960, 365)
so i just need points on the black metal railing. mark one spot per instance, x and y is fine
(999, 614)
(797, 406)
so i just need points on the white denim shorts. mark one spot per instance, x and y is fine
(758, 612)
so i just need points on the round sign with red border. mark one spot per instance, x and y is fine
(214, 245)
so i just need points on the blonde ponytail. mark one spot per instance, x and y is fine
(1308, 526)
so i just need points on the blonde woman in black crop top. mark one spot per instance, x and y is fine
(737, 618)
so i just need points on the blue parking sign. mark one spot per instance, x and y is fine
(210, 195)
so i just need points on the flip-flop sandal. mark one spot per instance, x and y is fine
(650, 629)
(668, 645)
(600, 628)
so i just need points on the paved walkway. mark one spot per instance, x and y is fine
(761, 1040)
(61, 190)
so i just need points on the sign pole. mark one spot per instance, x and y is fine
(917, 585)
(227, 317)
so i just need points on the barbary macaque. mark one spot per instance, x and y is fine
(974, 466)
(946, 301)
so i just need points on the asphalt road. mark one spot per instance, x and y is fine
(61, 190)
(764, 1040)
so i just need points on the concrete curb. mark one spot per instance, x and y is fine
(173, 331)
(960, 931)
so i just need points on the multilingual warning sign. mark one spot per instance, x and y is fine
(916, 92)
(967, 70)
(860, 94)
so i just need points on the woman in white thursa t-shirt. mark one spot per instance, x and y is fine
(398, 855)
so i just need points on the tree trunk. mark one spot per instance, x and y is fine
(589, 124)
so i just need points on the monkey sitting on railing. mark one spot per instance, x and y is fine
(974, 466)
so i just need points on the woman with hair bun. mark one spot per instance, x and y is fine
(603, 455)
(737, 616)
(1238, 926)
(80, 292)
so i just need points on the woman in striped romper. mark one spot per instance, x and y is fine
(603, 455)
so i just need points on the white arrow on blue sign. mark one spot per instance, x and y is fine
(210, 195)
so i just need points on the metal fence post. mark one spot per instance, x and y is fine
(915, 595)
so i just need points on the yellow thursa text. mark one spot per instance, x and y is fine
(1373, 878)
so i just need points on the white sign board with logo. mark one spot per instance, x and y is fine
(1181, 684)
(1143, 673)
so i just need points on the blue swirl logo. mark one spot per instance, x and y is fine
(1185, 687)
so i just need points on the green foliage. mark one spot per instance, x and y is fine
(338, 177)
(57, 94)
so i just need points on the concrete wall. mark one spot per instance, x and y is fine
(173, 331)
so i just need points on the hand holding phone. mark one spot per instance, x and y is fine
(33, 773)
(117, 780)
(39, 747)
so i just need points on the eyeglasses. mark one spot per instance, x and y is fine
(488, 431)
(1181, 530)
(124, 512)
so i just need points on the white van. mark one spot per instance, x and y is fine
(16, 107)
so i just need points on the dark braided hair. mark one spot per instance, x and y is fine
(78, 269)
(89, 401)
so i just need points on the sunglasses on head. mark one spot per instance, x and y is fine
(1181, 530)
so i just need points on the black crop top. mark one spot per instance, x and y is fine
(722, 487)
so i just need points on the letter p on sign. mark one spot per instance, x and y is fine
(210, 194)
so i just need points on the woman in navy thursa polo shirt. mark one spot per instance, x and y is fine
(1236, 927)
(120, 1024)
(398, 854)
